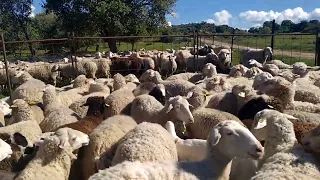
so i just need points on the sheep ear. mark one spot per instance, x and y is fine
(215, 137)
(290, 117)
(170, 107)
(261, 124)
(189, 95)
(20, 140)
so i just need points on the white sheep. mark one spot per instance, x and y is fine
(103, 143)
(53, 159)
(260, 55)
(215, 166)
(283, 158)
(22, 111)
(146, 142)
(6, 150)
(146, 108)
(189, 149)
(5, 110)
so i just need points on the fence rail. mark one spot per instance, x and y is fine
(288, 47)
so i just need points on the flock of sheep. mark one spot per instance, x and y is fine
(257, 120)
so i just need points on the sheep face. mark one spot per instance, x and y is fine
(6, 150)
(209, 70)
(5, 108)
(267, 53)
(131, 78)
(96, 105)
(231, 132)
(179, 108)
(260, 78)
(272, 84)
(224, 56)
(71, 138)
(19, 103)
(311, 140)
(243, 91)
(262, 118)
(300, 68)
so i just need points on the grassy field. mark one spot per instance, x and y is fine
(284, 46)
(299, 43)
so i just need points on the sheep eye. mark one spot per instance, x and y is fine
(73, 139)
(229, 133)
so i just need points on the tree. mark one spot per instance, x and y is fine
(111, 17)
(16, 13)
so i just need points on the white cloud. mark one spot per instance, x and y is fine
(220, 18)
(295, 15)
(169, 24)
(33, 8)
(174, 14)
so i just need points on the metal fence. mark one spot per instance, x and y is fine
(289, 48)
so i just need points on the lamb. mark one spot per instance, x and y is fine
(205, 119)
(147, 142)
(189, 149)
(260, 55)
(30, 90)
(55, 155)
(146, 108)
(94, 116)
(168, 64)
(22, 111)
(6, 150)
(103, 143)
(55, 113)
(283, 158)
(245, 144)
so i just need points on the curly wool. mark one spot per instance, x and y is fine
(205, 119)
(147, 142)
(103, 143)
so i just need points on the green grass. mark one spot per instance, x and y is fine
(299, 43)
(285, 59)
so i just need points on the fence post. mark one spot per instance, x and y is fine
(317, 54)
(6, 65)
(196, 62)
(232, 41)
(213, 39)
(272, 36)
(194, 49)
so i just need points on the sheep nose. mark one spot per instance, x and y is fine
(259, 150)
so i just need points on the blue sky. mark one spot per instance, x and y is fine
(241, 14)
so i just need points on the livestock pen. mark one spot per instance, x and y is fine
(289, 48)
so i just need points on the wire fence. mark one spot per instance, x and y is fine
(289, 48)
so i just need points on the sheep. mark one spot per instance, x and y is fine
(55, 113)
(5, 111)
(252, 72)
(208, 71)
(189, 149)
(93, 118)
(201, 62)
(103, 65)
(12, 70)
(231, 102)
(140, 61)
(85, 67)
(6, 150)
(103, 143)
(284, 90)
(260, 55)
(146, 108)
(94, 90)
(168, 64)
(310, 142)
(29, 129)
(30, 90)
(279, 63)
(156, 90)
(219, 158)
(205, 119)
(18, 146)
(215, 84)
(260, 78)
(147, 142)
(182, 57)
(258, 103)
(55, 155)
(45, 72)
(22, 111)
(118, 102)
(238, 70)
(217, 49)
(283, 157)
(224, 61)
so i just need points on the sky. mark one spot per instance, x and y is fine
(241, 14)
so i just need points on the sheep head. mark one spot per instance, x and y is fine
(230, 132)
(179, 107)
